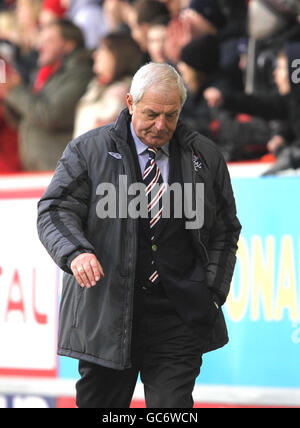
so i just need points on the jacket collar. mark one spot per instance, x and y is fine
(183, 134)
(120, 127)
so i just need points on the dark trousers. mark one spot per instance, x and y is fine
(166, 352)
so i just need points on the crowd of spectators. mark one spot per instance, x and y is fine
(66, 66)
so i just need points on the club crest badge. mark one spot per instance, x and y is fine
(197, 163)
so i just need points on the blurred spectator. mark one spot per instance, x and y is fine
(52, 10)
(270, 23)
(145, 12)
(199, 67)
(90, 17)
(119, 14)
(212, 17)
(9, 152)
(116, 61)
(47, 111)
(9, 30)
(285, 106)
(18, 37)
(27, 12)
(9, 36)
(206, 16)
(199, 19)
(236, 19)
(232, 34)
(156, 39)
(175, 6)
(6, 4)
(237, 137)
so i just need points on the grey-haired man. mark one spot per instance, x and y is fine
(142, 294)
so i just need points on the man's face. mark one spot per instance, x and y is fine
(52, 46)
(138, 31)
(104, 65)
(155, 116)
(193, 79)
(156, 40)
(281, 75)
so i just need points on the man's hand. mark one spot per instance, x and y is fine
(275, 142)
(87, 270)
(179, 35)
(13, 79)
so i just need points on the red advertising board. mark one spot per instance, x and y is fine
(28, 283)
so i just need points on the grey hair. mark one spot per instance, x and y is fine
(153, 74)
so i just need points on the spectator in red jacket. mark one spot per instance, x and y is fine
(9, 153)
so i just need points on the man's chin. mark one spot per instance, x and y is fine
(156, 141)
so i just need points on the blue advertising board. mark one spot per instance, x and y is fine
(263, 308)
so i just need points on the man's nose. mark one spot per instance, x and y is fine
(160, 123)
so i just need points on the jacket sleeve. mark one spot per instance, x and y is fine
(269, 108)
(224, 235)
(63, 209)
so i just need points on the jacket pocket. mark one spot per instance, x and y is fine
(194, 301)
(125, 247)
(77, 301)
(124, 258)
(202, 308)
(207, 305)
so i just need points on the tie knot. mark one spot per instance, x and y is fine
(152, 152)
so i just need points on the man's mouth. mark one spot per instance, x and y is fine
(153, 135)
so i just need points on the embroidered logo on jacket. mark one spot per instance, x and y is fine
(115, 155)
(197, 163)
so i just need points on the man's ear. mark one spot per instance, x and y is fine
(129, 102)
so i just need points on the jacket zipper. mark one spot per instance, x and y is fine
(126, 336)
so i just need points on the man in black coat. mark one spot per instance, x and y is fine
(145, 275)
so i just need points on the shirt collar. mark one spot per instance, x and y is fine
(141, 147)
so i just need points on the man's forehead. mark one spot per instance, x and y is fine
(50, 30)
(160, 108)
(160, 99)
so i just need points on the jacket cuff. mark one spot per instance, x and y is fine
(72, 256)
(217, 298)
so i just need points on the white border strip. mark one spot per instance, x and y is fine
(247, 170)
(40, 180)
(25, 182)
(244, 395)
(215, 394)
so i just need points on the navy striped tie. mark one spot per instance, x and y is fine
(155, 188)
